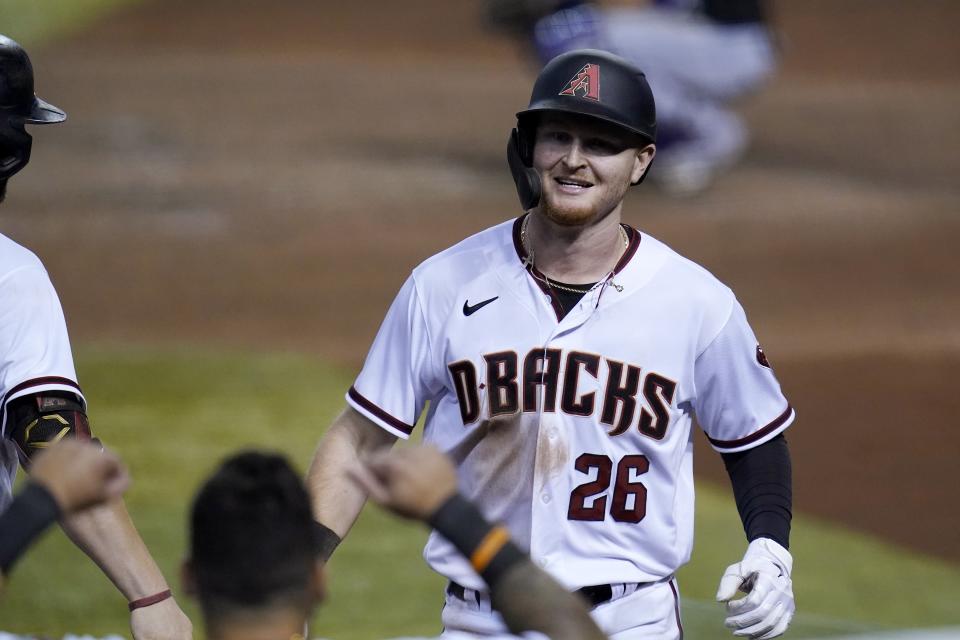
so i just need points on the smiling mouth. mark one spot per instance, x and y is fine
(573, 183)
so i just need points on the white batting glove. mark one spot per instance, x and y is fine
(764, 575)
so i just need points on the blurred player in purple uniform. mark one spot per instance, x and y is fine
(698, 55)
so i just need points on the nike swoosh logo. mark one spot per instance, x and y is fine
(470, 310)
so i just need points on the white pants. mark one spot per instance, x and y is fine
(650, 612)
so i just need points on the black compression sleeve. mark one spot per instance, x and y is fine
(32, 511)
(762, 486)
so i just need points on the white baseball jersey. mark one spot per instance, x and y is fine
(457, 635)
(34, 347)
(574, 432)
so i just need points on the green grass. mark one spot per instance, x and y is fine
(32, 21)
(843, 581)
(838, 575)
(173, 415)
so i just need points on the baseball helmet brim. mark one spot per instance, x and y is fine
(43, 112)
(589, 112)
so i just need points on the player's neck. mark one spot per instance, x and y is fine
(575, 255)
(273, 625)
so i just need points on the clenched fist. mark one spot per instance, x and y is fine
(79, 474)
(412, 481)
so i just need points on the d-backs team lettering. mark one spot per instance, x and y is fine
(510, 389)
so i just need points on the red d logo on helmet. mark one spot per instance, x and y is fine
(585, 84)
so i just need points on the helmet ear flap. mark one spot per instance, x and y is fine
(520, 160)
(525, 135)
(15, 146)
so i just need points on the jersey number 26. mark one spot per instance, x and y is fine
(629, 495)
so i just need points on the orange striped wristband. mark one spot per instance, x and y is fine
(488, 548)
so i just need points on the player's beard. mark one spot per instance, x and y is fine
(568, 214)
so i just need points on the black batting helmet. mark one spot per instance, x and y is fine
(19, 106)
(586, 82)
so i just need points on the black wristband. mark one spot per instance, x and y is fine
(325, 540)
(31, 512)
(488, 547)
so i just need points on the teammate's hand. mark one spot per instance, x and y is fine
(413, 482)
(79, 474)
(764, 575)
(161, 621)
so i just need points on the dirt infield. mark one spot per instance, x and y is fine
(265, 174)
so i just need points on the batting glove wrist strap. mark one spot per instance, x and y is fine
(773, 552)
(488, 547)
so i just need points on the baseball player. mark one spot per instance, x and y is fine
(40, 400)
(699, 56)
(254, 567)
(564, 356)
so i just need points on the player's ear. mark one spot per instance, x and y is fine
(642, 161)
(188, 583)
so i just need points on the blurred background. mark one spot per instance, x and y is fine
(242, 186)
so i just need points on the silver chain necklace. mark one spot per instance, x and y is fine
(531, 266)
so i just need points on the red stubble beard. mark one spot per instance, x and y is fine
(578, 211)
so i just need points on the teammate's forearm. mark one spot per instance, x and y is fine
(526, 597)
(107, 535)
(530, 600)
(27, 517)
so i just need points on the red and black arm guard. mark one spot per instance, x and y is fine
(38, 420)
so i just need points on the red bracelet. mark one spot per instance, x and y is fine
(149, 600)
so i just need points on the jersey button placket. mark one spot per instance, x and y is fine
(545, 535)
(547, 426)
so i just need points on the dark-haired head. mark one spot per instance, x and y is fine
(251, 543)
